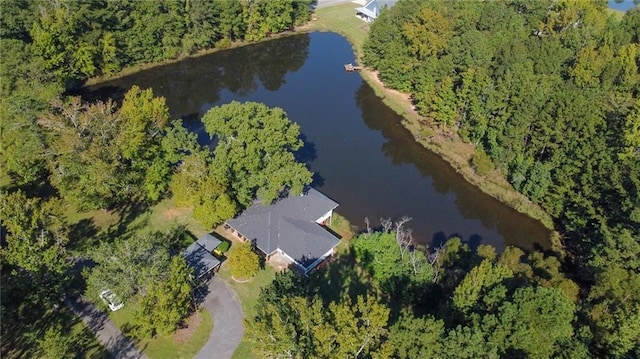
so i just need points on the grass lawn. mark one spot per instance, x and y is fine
(248, 292)
(185, 343)
(89, 228)
(341, 19)
(342, 227)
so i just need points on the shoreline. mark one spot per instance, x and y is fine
(445, 143)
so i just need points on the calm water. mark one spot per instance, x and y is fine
(623, 5)
(362, 156)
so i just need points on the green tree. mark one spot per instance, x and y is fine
(393, 262)
(166, 301)
(128, 265)
(427, 33)
(255, 151)
(144, 122)
(244, 262)
(302, 327)
(84, 165)
(467, 343)
(360, 325)
(485, 283)
(614, 312)
(22, 159)
(631, 134)
(64, 37)
(55, 344)
(534, 323)
(273, 332)
(35, 226)
(412, 337)
(232, 25)
(100, 156)
(195, 185)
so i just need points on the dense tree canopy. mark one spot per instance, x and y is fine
(302, 326)
(478, 307)
(79, 39)
(401, 269)
(100, 156)
(196, 185)
(549, 91)
(166, 302)
(255, 151)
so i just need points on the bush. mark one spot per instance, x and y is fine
(481, 163)
(244, 263)
(224, 43)
(224, 246)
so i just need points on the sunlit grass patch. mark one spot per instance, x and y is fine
(342, 19)
(179, 345)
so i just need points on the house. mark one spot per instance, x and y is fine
(291, 228)
(199, 257)
(371, 10)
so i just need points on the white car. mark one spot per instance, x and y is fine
(109, 298)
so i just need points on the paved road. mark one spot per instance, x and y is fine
(225, 308)
(105, 331)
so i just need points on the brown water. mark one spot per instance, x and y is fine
(362, 156)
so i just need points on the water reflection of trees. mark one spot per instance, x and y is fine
(401, 148)
(190, 83)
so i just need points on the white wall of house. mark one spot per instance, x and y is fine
(324, 217)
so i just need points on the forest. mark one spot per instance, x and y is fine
(62, 156)
(546, 90)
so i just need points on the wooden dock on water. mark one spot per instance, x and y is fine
(351, 67)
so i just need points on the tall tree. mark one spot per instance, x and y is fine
(255, 152)
(394, 263)
(100, 156)
(166, 302)
(615, 311)
(535, 323)
(36, 239)
(195, 184)
(128, 265)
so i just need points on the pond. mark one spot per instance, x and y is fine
(361, 154)
(622, 5)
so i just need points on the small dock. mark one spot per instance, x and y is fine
(351, 67)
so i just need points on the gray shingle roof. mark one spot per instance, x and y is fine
(289, 224)
(209, 242)
(198, 255)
